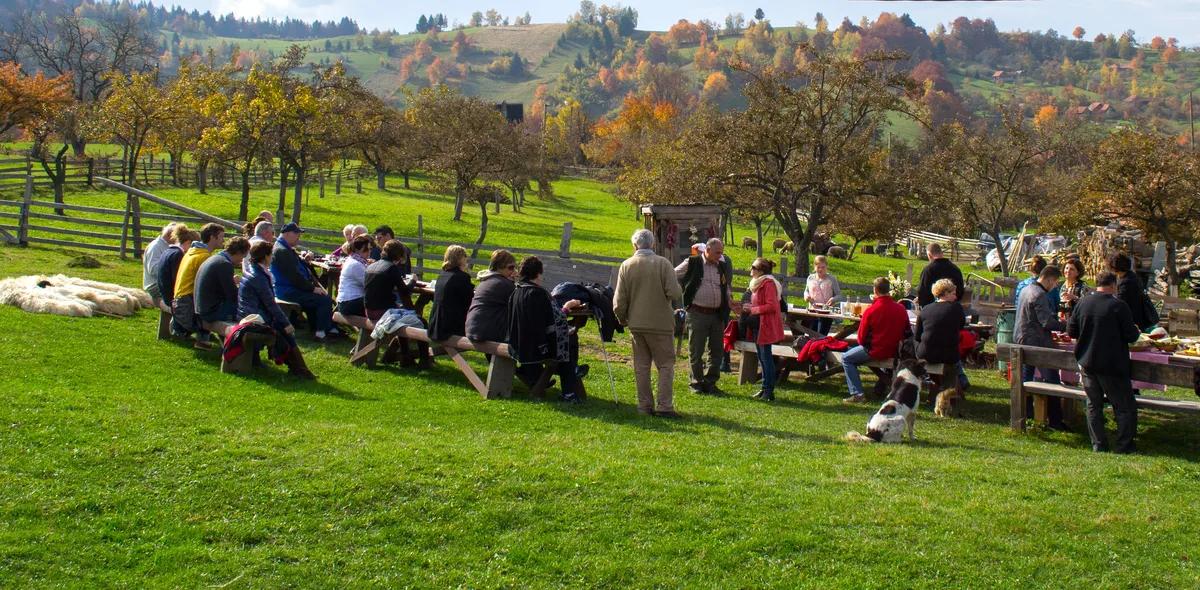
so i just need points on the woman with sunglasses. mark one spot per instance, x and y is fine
(487, 318)
(764, 303)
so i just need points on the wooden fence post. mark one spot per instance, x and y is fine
(337, 185)
(908, 277)
(137, 226)
(91, 174)
(784, 273)
(23, 224)
(321, 174)
(420, 246)
(125, 226)
(358, 186)
(564, 247)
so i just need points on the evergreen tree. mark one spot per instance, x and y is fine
(579, 63)
(422, 24)
(608, 39)
(759, 15)
(516, 67)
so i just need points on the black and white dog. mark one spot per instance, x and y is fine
(899, 411)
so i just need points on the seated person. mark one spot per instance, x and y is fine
(168, 265)
(354, 274)
(538, 330)
(384, 288)
(150, 259)
(256, 295)
(487, 318)
(294, 282)
(939, 325)
(186, 321)
(217, 286)
(451, 296)
(263, 232)
(349, 232)
(383, 234)
(884, 325)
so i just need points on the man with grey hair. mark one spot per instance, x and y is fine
(707, 297)
(263, 232)
(644, 302)
(150, 260)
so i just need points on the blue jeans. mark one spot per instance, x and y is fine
(822, 326)
(767, 363)
(318, 308)
(850, 361)
(962, 377)
(225, 313)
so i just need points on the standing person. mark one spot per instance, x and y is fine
(644, 301)
(487, 318)
(764, 303)
(354, 273)
(451, 296)
(1073, 289)
(150, 259)
(939, 326)
(256, 296)
(707, 298)
(884, 325)
(168, 266)
(212, 238)
(1104, 328)
(1035, 321)
(294, 282)
(1131, 291)
(1036, 264)
(538, 330)
(217, 286)
(822, 288)
(939, 268)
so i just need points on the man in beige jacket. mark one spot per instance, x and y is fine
(644, 302)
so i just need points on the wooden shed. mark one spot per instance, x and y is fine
(677, 227)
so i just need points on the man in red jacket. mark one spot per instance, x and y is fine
(884, 325)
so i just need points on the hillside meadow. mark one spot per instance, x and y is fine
(127, 461)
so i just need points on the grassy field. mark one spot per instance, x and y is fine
(132, 462)
(129, 461)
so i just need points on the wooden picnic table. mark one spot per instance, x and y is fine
(329, 276)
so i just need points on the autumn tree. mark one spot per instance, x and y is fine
(805, 142)
(245, 119)
(716, 86)
(461, 137)
(134, 107)
(567, 132)
(438, 71)
(1078, 33)
(1045, 118)
(386, 139)
(1158, 44)
(422, 52)
(1145, 179)
(197, 81)
(24, 98)
(641, 121)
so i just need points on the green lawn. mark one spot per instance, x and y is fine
(132, 462)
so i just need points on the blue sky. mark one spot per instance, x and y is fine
(1168, 18)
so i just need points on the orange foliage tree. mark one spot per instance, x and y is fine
(684, 32)
(408, 67)
(24, 99)
(641, 122)
(1045, 118)
(716, 86)
(1158, 44)
(608, 80)
(422, 52)
(439, 70)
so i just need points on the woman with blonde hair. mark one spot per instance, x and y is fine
(822, 289)
(452, 296)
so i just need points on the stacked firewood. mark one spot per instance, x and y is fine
(1187, 260)
(1095, 245)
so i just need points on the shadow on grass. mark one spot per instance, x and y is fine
(274, 377)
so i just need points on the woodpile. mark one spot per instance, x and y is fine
(1096, 244)
(1187, 261)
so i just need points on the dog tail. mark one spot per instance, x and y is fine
(856, 437)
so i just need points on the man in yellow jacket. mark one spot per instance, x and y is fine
(187, 321)
(644, 302)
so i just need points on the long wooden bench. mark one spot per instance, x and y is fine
(1062, 360)
(501, 370)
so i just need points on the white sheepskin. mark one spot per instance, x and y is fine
(71, 297)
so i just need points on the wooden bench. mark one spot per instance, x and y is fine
(501, 370)
(361, 324)
(1062, 360)
(243, 362)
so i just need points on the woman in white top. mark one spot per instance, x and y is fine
(351, 292)
(822, 289)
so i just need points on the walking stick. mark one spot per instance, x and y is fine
(612, 382)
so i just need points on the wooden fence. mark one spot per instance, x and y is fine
(152, 171)
(127, 231)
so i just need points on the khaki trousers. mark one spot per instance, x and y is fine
(659, 349)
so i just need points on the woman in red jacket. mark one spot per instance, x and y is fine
(764, 303)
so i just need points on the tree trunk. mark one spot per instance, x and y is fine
(381, 178)
(406, 180)
(759, 228)
(496, 197)
(995, 233)
(283, 178)
(1172, 264)
(853, 249)
(298, 195)
(458, 201)
(202, 172)
(516, 207)
(244, 209)
(483, 225)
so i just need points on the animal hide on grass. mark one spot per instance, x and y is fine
(63, 295)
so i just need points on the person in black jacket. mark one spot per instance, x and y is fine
(384, 289)
(538, 330)
(451, 296)
(487, 318)
(938, 268)
(1130, 289)
(216, 285)
(1104, 327)
(939, 325)
(168, 264)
